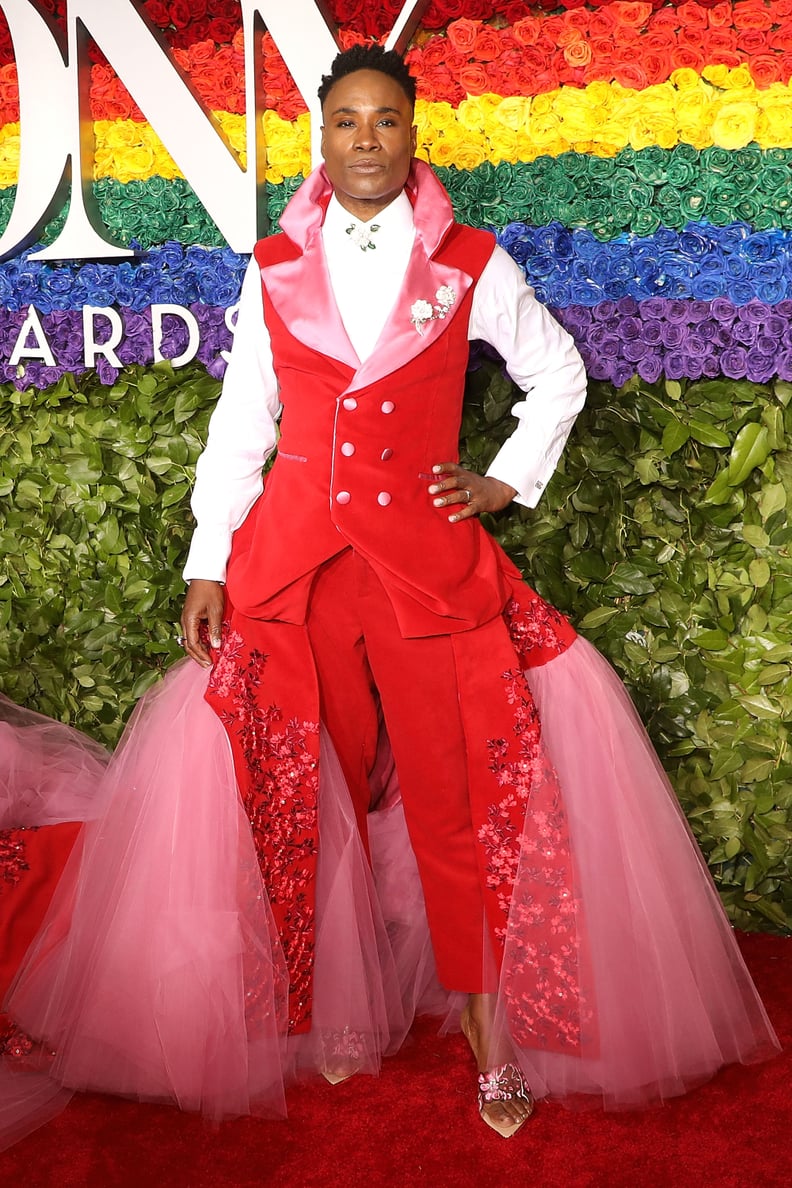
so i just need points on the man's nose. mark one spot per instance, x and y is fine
(367, 138)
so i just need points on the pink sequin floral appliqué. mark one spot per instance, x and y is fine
(276, 762)
(13, 861)
(537, 630)
(528, 858)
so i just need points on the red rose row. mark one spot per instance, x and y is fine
(629, 43)
(185, 22)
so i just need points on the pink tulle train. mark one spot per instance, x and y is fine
(673, 1000)
(157, 973)
(49, 773)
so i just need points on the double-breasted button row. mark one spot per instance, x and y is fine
(348, 449)
(344, 497)
(350, 404)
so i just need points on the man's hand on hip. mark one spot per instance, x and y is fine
(468, 493)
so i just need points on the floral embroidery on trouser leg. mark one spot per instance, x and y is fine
(276, 761)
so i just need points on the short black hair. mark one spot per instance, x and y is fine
(368, 57)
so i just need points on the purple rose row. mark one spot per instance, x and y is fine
(680, 339)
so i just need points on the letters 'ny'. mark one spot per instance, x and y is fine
(56, 134)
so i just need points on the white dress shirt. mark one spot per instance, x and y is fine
(539, 355)
(377, 271)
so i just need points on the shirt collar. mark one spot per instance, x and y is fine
(304, 213)
(394, 219)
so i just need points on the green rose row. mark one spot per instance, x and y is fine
(637, 190)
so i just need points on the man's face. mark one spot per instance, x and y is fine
(368, 140)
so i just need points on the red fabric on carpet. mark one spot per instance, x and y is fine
(39, 855)
(417, 1125)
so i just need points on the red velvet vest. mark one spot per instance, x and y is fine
(353, 467)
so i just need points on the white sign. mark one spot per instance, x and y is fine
(32, 345)
(56, 134)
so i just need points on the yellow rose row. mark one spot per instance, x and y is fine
(725, 109)
(128, 150)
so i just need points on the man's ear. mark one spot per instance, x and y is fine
(321, 142)
(413, 140)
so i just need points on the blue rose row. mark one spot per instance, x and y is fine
(565, 267)
(703, 262)
(168, 274)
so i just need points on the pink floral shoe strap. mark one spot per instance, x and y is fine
(504, 1083)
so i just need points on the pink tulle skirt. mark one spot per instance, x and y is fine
(158, 974)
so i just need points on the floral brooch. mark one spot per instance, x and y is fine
(361, 235)
(422, 311)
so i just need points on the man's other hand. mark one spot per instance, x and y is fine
(204, 604)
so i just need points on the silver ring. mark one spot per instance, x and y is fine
(469, 495)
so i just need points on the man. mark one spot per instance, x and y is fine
(204, 951)
(363, 555)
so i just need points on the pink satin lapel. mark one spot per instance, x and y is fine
(301, 292)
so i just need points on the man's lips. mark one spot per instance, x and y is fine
(366, 166)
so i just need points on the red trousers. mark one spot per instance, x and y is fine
(364, 663)
(465, 738)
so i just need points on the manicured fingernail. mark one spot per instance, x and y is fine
(439, 502)
(437, 469)
(434, 489)
(215, 641)
(453, 519)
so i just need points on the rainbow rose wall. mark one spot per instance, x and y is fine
(636, 160)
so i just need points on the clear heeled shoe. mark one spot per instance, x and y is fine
(342, 1053)
(504, 1083)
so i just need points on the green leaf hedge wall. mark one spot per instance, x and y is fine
(663, 535)
(93, 530)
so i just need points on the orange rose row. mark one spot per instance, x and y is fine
(626, 42)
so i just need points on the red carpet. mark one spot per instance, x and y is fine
(417, 1125)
